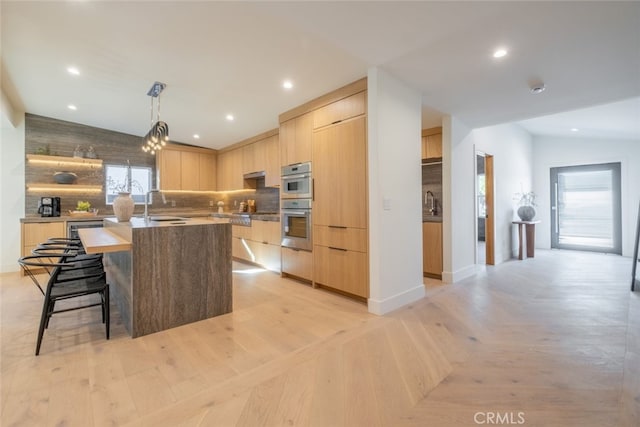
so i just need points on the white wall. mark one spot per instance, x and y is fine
(512, 149)
(395, 234)
(11, 185)
(458, 226)
(551, 152)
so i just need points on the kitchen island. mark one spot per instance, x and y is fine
(165, 274)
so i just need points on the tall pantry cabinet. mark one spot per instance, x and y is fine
(340, 236)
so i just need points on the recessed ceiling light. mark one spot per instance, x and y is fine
(196, 136)
(574, 129)
(499, 53)
(72, 107)
(73, 70)
(230, 117)
(538, 88)
(287, 84)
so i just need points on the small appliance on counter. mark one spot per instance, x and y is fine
(49, 206)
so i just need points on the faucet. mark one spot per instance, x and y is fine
(146, 202)
(430, 202)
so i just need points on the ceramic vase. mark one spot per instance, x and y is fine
(123, 207)
(526, 213)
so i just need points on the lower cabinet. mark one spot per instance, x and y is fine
(432, 249)
(341, 260)
(341, 269)
(38, 232)
(257, 244)
(297, 263)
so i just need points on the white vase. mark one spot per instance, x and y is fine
(123, 207)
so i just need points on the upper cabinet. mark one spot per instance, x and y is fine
(257, 154)
(432, 143)
(186, 168)
(352, 106)
(272, 161)
(229, 171)
(295, 140)
(340, 175)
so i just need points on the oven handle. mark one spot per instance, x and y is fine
(302, 175)
(288, 212)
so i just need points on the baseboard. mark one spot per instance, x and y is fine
(387, 305)
(10, 268)
(456, 276)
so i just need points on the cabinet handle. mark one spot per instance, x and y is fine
(313, 189)
(337, 121)
(338, 226)
(337, 249)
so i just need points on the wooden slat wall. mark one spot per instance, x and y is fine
(62, 138)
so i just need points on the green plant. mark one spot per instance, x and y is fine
(83, 206)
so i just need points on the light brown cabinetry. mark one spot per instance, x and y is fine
(186, 168)
(38, 232)
(297, 263)
(432, 249)
(259, 244)
(340, 250)
(432, 143)
(351, 106)
(339, 172)
(272, 161)
(229, 171)
(295, 140)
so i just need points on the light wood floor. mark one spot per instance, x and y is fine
(551, 341)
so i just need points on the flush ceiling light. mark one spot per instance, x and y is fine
(538, 88)
(499, 53)
(196, 136)
(72, 107)
(230, 117)
(287, 84)
(574, 129)
(73, 70)
(158, 135)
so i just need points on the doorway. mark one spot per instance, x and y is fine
(484, 209)
(586, 208)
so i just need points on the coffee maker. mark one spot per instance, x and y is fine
(49, 206)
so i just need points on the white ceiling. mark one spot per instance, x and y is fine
(231, 57)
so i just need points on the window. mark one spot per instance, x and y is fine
(117, 178)
(586, 208)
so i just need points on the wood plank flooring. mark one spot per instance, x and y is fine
(550, 341)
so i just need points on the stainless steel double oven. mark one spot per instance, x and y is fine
(297, 195)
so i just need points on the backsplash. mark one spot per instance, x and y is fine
(432, 181)
(60, 138)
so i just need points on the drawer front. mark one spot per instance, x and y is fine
(266, 231)
(297, 263)
(266, 255)
(241, 231)
(342, 270)
(353, 239)
(239, 250)
(36, 233)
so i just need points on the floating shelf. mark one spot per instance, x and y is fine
(63, 161)
(47, 187)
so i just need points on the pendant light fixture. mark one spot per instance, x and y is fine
(158, 135)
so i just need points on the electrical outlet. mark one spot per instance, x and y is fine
(173, 203)
(210, 202)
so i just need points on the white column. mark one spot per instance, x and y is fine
(395, 210)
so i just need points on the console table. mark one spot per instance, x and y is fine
(526, 236)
